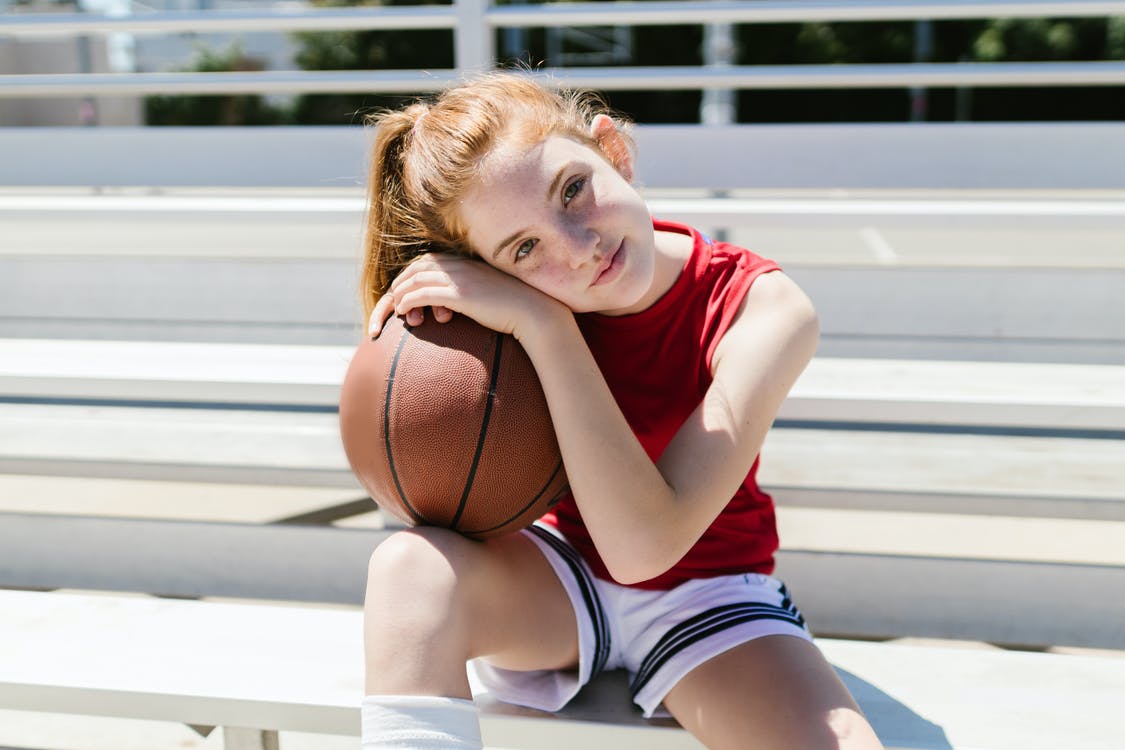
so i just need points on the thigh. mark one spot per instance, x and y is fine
(772, 692)
(436, 599)
(527, 608)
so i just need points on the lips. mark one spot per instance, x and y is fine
(607, 264)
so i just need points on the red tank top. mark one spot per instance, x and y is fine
(657, 364)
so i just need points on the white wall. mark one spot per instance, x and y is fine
(941, 156)
(61, 56)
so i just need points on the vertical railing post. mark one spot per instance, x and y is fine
(717, 106)
(473, 43)
(923, 51)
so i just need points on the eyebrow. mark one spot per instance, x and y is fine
(550, 192)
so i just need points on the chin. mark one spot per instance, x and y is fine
(627, 299)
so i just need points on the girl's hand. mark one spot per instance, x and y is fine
(449, 284)
(385, 307)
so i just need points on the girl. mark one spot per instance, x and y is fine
(664, 357)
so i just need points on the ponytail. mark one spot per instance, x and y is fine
(394, 233)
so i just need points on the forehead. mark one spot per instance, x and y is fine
(512, 160)
(511, 183)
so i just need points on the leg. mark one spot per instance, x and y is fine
(436, 599)
(773, 692)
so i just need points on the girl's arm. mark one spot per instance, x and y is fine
(643, 517)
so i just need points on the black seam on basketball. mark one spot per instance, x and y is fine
(418, 517)
(495, 376)
(522, 510)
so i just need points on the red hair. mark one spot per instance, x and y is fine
(426, 155)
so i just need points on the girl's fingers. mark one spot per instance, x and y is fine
(379, 314)
(413, 279)
(410, 291)
(449, 286)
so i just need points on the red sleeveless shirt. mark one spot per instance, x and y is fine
(657, 364)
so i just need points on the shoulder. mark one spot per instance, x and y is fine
(774, 290)
(774, 316)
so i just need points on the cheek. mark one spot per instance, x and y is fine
(548, 278)
(553, 281)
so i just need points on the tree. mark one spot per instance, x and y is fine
(1049, 39)
(365, 50)
(214, 110)
(997, 40)
(433, 49)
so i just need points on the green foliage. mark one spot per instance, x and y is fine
(1016, 39)
(1001, 40)
(1049, 39)
(426, 49)
(1115, 39)
(214, 110)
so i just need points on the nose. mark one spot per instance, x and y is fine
(582, 244)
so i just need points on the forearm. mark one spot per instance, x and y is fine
(628, 506)
(645, 516)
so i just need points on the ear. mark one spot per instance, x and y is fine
(613, 145)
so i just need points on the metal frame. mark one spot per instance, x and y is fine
(474, 21)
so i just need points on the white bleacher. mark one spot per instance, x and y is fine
(177, 310)
(1055, 396)
(242, 666)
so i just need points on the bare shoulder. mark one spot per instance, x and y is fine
(775, 291)
(776, 319)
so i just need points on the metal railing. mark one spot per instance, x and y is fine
(819, 156)
(474, 22)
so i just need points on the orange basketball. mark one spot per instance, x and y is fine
(446, 424)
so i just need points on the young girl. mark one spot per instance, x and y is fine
(664, 357)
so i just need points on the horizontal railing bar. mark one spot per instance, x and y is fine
(791, 11)
(973, 75)
(728, 210)
(277, 20)
(643, 13)
(842, 76)
(263, 82)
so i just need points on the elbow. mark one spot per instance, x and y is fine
(814, 329)
(632, 574)
(632, 566)
(809, 327)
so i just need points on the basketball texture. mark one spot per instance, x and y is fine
(446, 424)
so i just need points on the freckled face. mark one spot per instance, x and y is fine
(559, 217)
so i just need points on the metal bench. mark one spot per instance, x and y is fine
(933, 468)
(951, 498)
(258, 669)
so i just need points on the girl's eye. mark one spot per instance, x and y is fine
(525, 249)
(573, 189)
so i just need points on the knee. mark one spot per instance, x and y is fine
(419, 568)
(849, 729)
(417, 615)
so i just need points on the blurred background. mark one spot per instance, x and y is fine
(805, 43)
(181, 216)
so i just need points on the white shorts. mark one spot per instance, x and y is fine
(658, 636)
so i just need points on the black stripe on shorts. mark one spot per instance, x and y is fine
(589, 596)
(704, 625)
(787, 602)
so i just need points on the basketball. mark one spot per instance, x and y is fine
(446, 424)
